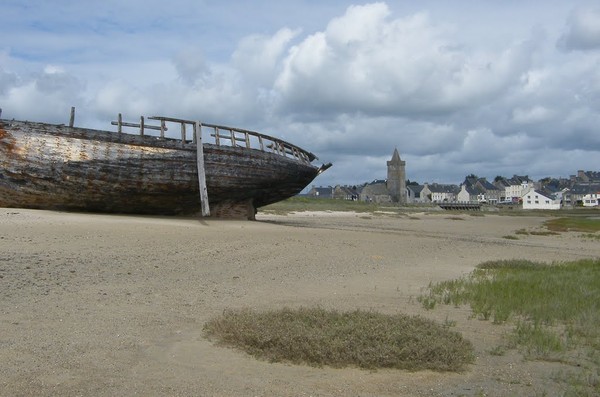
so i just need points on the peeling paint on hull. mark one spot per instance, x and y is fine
(49, 166)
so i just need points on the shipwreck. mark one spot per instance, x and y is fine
(208, 169)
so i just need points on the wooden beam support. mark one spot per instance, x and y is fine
(135, 125)
(183, 134)
(72, 118)
(171, 119)
(201, 173)
(217, 136)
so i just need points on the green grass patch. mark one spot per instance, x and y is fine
(566, 295)
(537, 341)
(555, 309)
(539, 292)
(575, 224)
(365, 339)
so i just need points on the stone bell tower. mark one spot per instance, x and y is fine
(396, 178)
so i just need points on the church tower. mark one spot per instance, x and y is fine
(396, 178)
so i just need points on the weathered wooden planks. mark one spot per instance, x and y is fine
(56, 167)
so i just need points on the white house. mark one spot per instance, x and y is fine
(537, 200)
(591, 200)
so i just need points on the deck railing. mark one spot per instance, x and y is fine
(221, 136)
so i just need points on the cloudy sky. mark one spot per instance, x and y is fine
(496, 87)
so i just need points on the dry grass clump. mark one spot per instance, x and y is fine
(591, 236)
(537, 232)
(320, 337)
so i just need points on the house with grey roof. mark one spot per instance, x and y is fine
(502, 184)
(479, 190)
(376, 192)
(534, 199)
(346, 193)
(413, 193)
(469, 194)
(580, 192)
(514, 187)
(321, 192)
(439, 193)
(491, 194)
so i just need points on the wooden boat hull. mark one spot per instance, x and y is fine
(49, 166)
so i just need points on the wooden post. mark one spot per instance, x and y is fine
(201, 174)
(182, 134)
(120, 123)
(142, 126)
(162, 129)
(72, 119)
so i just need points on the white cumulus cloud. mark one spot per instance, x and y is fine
(365, 61)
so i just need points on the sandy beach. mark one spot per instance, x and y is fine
(110, 305)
